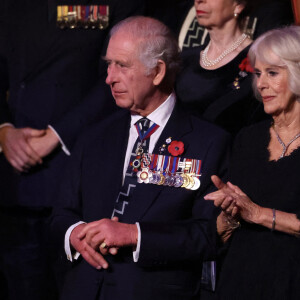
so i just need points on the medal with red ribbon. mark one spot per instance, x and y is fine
(143, 137)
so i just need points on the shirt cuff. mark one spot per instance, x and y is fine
(70, 255)
(136, 253)
(63, 146)
(6, 124)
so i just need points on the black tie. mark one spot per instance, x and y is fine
(130, 179)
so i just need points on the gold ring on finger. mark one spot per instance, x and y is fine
(103, 246)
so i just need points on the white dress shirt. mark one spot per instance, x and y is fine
(160, 116)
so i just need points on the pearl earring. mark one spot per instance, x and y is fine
(235, 15)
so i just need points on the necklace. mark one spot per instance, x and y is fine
(209, 63)
(285, 146)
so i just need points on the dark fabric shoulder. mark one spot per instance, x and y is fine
(201, 124)
(112, 123)
(253, 131)
(190, 57)
(251, 141)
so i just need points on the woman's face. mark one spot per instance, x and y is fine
(215, 13)
(273, 86)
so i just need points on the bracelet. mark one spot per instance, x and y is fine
(274, 219)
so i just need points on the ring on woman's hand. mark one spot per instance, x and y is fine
(103, 246)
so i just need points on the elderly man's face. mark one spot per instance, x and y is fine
(126, 75)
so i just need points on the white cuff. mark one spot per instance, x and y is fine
(6, 124)
(63, 146)
(136, 253)
(68, 251)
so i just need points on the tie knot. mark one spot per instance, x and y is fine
(143, 124)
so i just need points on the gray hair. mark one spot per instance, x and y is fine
(285, 44)
(156, 42)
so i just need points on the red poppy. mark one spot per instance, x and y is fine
(245, 65)
(176, 148)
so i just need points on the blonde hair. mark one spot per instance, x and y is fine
(285, 44)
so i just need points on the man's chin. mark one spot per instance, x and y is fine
(123, 103)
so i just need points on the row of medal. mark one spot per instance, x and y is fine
(169, 171)
(82, 16)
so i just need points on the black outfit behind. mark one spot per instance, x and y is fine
(54, 77)
(261, 264)
(223, 96)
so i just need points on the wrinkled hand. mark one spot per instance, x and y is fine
(17, 150)
(223, 197)
(114, 234)
(233, 201)
(226, 225)
(248, 210)
(44, 145)
(93, 257)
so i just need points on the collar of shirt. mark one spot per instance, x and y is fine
(161, 115)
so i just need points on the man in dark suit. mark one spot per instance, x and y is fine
(132, 205)
(49, 72)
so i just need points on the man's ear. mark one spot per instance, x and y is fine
(160, 72)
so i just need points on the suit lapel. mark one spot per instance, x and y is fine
(145, 194)
(113, 149)
(177, 126)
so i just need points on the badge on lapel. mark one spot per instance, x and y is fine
(245, 70)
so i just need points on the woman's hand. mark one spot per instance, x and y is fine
(227, 221)
(226, 225)
(236, 204)
(233, 201)
(248, 210)
(223, 197)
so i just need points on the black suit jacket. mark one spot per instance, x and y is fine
(174, 222)
(50, 73)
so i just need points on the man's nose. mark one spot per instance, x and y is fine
(111, 74)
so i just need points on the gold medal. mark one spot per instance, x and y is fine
(162, 179)
(191, 183)
(186, 181)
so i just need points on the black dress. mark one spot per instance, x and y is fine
(223, 96)
(261, 264)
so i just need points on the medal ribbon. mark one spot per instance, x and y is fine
(198, 167)
(153, 165)
(95, 12)
(166, 164)
(82, 17)
(146, 159)
(171, 160)
(87, 12)
(160, 162)
(175, 163)
(148, 133)
(188, 165)
(181, 164)
(78, 11)
(103, 10)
